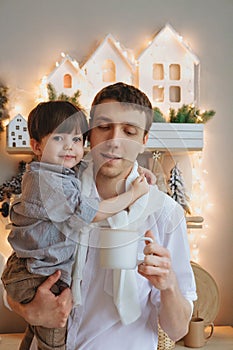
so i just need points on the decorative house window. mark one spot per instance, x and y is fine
(158, 71)
(67, 81)
(158, 93)
(25, 128)
(174, 72)
(109, 71)
(24, 143)
(20, 137)
(174, 94)
(12, 133)
(17, 127)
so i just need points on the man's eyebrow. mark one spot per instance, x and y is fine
(110, 121)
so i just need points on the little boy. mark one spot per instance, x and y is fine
(44, 237)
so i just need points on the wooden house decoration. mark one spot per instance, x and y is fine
(67, 78)
(168, 71)
(17, 133)
(109, 63)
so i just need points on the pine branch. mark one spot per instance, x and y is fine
(52, 95)
(158, 116)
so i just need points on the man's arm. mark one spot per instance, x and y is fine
(175, 311)
(46, 309)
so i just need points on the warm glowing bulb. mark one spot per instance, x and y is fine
(180, 38)
(18, 108)
(63, 54)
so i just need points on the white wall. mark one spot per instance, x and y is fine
(33, 33)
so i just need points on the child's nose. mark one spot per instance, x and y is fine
(67, 147)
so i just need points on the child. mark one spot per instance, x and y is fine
(44, 237)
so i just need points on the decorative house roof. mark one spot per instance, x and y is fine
(166, 33)
(66, 59)
(126, 55)
(16, 120)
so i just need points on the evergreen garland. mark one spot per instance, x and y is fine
(13, 186)
(189, 114)
(3, 103)
(52, 95)
(158, 116)
(185, 114)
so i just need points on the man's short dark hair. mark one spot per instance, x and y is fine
(129, 96)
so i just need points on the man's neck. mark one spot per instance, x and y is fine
(108, 187)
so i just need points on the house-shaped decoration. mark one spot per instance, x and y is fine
(67, 78)
(109, 63)
(168, 71)
(17, 133)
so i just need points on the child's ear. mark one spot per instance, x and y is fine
(35, 145)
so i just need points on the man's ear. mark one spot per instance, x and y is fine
(145, 139)
(35, 145)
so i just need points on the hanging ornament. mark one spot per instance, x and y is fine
(177, 189)
(157, 169)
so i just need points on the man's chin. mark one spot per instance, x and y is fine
(117, 170)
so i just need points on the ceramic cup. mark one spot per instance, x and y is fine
(119, 248)
(196, 336)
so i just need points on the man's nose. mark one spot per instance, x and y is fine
(115, 137)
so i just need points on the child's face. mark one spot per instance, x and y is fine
(61, 149)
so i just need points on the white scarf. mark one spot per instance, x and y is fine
(125, 288)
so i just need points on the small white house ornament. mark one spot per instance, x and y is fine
(168, 71)
(17, 133)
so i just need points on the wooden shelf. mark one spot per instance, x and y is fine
(176, 137)
(19, 150)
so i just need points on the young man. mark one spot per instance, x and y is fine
(163, 287)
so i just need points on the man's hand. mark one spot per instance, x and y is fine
(157, 265)
(46, 309)
(158, 270)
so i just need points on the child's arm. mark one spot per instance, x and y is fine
(111, 206)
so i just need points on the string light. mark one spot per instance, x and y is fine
(199, 202)
(43, 91)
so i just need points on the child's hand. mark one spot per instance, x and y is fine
(150, 177)
(139, 187)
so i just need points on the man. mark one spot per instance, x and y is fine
(164, 289)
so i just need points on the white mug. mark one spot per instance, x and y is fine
(119, 248)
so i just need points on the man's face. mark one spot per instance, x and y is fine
(116, 138)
